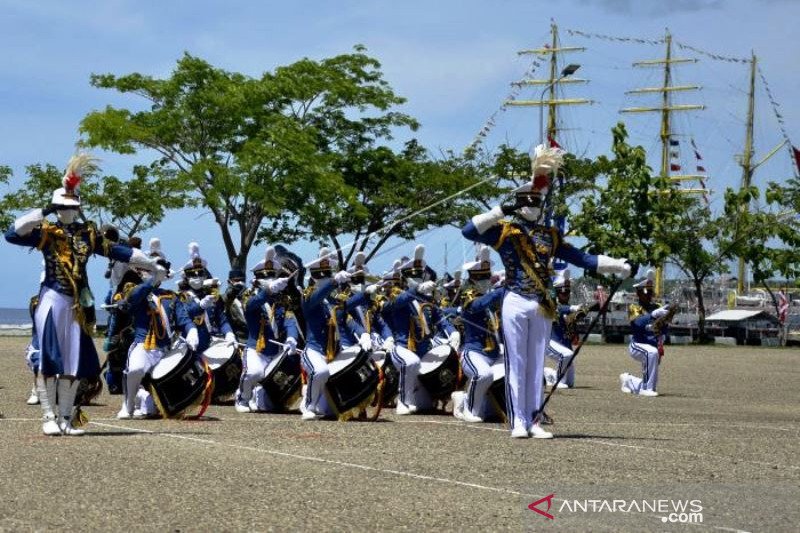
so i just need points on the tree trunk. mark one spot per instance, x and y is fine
(701, 311)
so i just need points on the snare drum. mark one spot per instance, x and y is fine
(438, 372)
(391, 377)
(225, 361)
(353, 385)
(282, 382)
(180, 381)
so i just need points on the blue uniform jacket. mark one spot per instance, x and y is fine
(148, 322)
(559, 331)
(357, 319)
(82, 240)
(526, 251)
(317, 312)
(482, 323)
(640, 330)
(415, 320)
(217, 324)
(268, 320)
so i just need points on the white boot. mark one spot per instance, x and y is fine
(33, 399)
(66, 402)
(47, 395)
(538, 433)
(458, 398)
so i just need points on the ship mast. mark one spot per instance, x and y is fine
(666, 109)
(747, 157)
(554, 50)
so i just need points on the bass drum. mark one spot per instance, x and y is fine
(354, 388)
(181, 384)
(283, 382)
(438, 374)
(225, 362)
(391, 377)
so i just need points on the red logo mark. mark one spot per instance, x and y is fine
(547, 499)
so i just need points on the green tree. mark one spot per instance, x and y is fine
(627, 212)
(387, 194)
(696, 249)
(132, 205)
(768, 239)
(250, 149)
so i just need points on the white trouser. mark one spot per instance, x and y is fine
(562, 356)
(407, 363)
(67, 329)
(526, 332)
(316, 367)
(140, 362)
(254, 368)
(648, 356)
(478, 368)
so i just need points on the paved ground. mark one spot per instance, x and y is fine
(724, 432)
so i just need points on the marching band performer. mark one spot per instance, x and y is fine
(232, 302)
(415, 321)
(562, 334)
(269, 325)
(156, 313)
(321, 332)
(480, 313)
(203, 304)
(64, 315)
(358, 324)
(527, 243)
(648, 329)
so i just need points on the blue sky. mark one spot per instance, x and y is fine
(453, 60)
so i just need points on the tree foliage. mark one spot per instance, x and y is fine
(253, 149)
(628, 212)
(132, 205)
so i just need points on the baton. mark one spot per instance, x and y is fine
(603, 310)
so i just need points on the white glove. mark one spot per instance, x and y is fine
(609, 265)
(230, 338)
(365, 341)
(661, 311)
(388, 344)
(454, 340)
(159, 274)
(426, 288)
(376, 341)
(341, 277)
(193, 339)
(208, 301)
(291, 345)
(139, 259)
(276, 285)
(371, 290)
(484, 221)
(27, 222)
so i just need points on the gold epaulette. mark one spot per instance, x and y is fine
(185, 297)
(308, 291)
(467, 297)
(635, 311)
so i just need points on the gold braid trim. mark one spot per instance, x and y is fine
(153, 333)
(330, 347)
(261, 343)
(491, 344)
(507, 230)
(527, 256)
